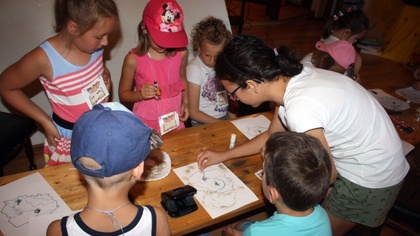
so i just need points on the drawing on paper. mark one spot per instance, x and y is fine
(19, 209)
(252, 126)
(256, 130)
(220, 191)
(27, 198)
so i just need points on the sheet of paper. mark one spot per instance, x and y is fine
(389, 101)
(221, 191)
(407, 147)
(252, 126)
(410, 94)
(30, 196)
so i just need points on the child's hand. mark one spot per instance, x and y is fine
(148, 91)
(230, 231)
(51, 134)
(185, 112)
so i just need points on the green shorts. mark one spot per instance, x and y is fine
(361, 205)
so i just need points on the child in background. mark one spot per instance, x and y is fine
(208, 100)
(157, 68)
(338, 56)
(67, 64)
(109, 147)
(351, 25)
(296, 176)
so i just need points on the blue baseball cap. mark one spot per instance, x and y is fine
(111, 135)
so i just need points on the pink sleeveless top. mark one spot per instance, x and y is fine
(167, 73)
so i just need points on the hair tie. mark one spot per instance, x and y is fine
(351, 8)
(275, 52)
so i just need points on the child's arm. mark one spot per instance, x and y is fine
(230, 231)
(54, 228)
(17, 76)
(162, 223)
(194, 105)
(106, 76)
(357, 66)
(125, 88)
(185, 113)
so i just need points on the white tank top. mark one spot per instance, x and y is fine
(143, 224)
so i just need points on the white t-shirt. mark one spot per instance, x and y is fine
(363, 141)
(213, 97)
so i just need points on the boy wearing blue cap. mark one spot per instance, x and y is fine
(109, 146)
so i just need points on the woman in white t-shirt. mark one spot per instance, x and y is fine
(368, 161)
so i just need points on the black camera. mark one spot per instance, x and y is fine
(180, 201)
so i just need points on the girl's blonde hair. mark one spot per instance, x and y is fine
(85, 13)
(212, 30)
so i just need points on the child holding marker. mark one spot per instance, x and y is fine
(157, 68)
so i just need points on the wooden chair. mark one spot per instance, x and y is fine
(14, 136)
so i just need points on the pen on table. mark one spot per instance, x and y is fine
(232, 141)
(401, 124)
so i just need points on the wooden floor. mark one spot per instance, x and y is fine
(295, 28)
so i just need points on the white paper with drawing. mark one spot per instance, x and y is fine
(30, 196)
(220, 192)
(252, 126)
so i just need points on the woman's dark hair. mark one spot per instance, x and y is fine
(247, 57)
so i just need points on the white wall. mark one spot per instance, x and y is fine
(24, 24)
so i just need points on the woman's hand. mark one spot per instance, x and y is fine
(209, 157)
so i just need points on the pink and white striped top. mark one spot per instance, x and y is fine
(65, 89)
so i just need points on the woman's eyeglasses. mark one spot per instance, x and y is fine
(232, 95)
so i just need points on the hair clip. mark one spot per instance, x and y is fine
(335, 17)
(350, 9)
(340, 14)
(275, 52)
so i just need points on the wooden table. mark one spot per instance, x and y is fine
(183, 147)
